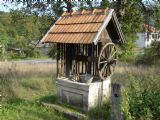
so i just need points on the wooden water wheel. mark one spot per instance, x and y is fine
(107, 60)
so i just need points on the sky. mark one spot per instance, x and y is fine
(9, 6)
(2, 8)
(6, 9)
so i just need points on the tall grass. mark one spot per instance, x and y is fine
(141, 91)
(18, 78)
(22, 87)
(124, 71)
(25, 70)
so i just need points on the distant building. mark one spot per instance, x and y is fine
(146, 37)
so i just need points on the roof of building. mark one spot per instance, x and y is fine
(149, 28)
(83, 27)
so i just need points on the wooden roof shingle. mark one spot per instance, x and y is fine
(79, 27)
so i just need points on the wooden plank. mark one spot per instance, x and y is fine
(66, 112)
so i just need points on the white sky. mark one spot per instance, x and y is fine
(2, 8)
(6, 9)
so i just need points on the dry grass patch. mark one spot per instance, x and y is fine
(125, 71)
(21, 69)
(26, 80)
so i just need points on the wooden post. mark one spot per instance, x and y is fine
(57, 58)
(116, 113)
(68, 59)
(89, 58)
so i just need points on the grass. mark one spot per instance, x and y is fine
(28, 110)
(126, 71)
(24, 86)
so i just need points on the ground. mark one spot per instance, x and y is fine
(25, 85)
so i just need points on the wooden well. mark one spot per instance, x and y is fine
(86, 55)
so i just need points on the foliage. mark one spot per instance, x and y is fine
(151, 55)
(30, 52)
(130, 25)
(35, 18)
(141, 99)
(18, 29)
(140, 91)
(52, 52)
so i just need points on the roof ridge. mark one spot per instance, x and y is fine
(86, 12)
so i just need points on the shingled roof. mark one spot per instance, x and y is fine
(149, 28)
(83, 27)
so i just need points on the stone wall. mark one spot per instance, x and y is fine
(85, 96)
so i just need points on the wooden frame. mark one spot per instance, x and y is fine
(77, 59)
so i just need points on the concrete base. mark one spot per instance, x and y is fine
(83, 95)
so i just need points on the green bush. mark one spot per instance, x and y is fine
(141, 99)
(30, 52)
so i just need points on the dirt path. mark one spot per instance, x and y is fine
(40, 61)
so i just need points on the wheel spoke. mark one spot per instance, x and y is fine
(105, 53)
(112, 69)
(102, 56)
(112, 55)
(107, 60)
(103, 68)
(103, 62)
(112, 50)
(114, 60)
(109, 70)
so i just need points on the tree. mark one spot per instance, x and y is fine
(131, 14)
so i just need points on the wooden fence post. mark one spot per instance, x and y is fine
(115, 113)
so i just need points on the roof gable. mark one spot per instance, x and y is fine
(81, 27)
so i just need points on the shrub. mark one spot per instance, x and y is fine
(30, 52)
(141, 99)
